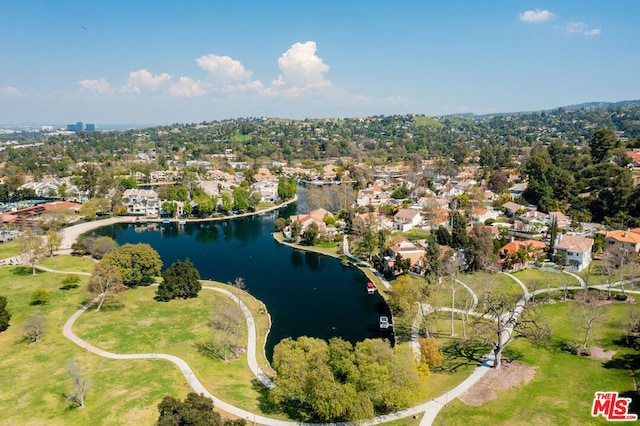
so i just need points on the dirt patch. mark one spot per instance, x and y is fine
(509, 375)
(601, 354)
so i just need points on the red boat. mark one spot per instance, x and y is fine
(371, 288)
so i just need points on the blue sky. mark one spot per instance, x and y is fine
(158, 62)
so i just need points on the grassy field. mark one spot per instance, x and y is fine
(10, 249)
(33, 378)
(538, 279)
(563, 387)
(68, 263)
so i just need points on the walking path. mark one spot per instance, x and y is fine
(516, 279)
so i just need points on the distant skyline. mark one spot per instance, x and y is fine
(161, 62)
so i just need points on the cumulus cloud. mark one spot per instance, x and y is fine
(535, 15)
(581, 28)
(11, 91)
(99, 86)
(223, 68)
(301, 67)
(186, 87)
(143, 79)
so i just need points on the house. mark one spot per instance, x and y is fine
(141, 202)
(405, 248)
(562, 221)
(511, 208)
(533, 249)
(481, 214)
(29, 216)
(268, 190)
(316, 216)
(628, 240)
(369, 196)
(577, 250)
(406, 219)
(378, 222)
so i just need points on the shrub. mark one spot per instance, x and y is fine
(69, 282)
(576, 349)
(39, 297)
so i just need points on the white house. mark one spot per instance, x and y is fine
(577, 249)
(406, 219)
(142, 202)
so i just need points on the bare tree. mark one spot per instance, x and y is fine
(504, 321)
(81, 384)
(226, 324)
(105, 281)
(32, 246)
(589, 310)
(240, 284)
(34, 327)
(54, 239)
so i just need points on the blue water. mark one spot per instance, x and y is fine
(307, 294)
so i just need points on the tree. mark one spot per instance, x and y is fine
(169, 208)
(287, 188)
(226, 324)
(601, 143)
(137, 263)
(81, 384)
(339, 382)
(458, 230)
(254, 200)
(34, 327)
(498, 182)
(508, 321)
(5, 316)
(310, 235)
(589, 310)
(93, 206)
(280, 224)
(39, 297)
(434, 264)
(195, 410)
(32, 246)
(54, 239)
(443, 236)
(240, 199)
(296, 228)
(180, 280)
(401, 264)
(227, 202)
(187, 209)
(429, 352)
(105, 281)
(480, 247)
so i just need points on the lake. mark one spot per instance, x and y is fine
(306, 294)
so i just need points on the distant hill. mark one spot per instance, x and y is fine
(577, 107)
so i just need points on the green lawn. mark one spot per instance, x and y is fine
(563, 387)
(10, 249)
(68, 263)
(535, 279)
(33, 378)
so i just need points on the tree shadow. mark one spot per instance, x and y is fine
(460, 354)
(23, 271)
(293, 410)
(207, 350)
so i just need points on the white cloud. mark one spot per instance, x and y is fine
(535, 15)
(99, 86)
(143, 79)
(301, 67)
(581, 28)
(11, 91)
(250, 86)
(188, 88)
(223, 68)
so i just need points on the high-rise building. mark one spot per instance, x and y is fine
(90, 127)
